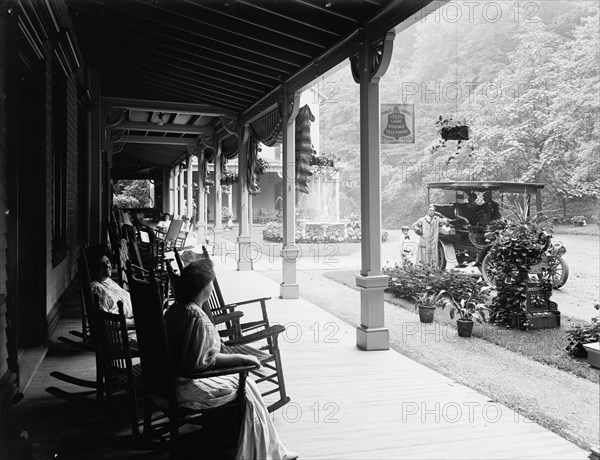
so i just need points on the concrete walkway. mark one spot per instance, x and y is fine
(352, 404)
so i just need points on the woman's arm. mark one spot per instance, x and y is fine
(226, 360)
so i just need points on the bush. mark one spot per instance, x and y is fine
(579, 335)
(126, 201)
(408, 282)
(314, 233)
(578, 220)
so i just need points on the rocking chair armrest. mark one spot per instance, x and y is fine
(245, 302)
(271, 332)
(252, 325)
(227, 317)
(217, 372)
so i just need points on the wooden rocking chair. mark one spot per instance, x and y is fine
(238, 335)
(158, 377)
(117, 365)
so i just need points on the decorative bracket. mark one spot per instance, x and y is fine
(374, 58)
(231, 125)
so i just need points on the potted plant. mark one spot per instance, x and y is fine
(452, 130)
(518, 245)
(426, 303)
(467, 310)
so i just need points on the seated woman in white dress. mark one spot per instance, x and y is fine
(163, 225)
(109, 292)
(195, 344)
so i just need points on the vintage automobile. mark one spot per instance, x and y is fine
(463, 244)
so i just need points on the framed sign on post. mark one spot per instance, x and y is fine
(397, 124)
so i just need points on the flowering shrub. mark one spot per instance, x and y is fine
(410, 281)
(578, 220)
(315, 233)
(579, 335)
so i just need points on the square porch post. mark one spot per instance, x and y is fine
(290, 253)
(200, 214)
(244, 240)
(189, 189)
(371, 334)
(218, 200)
(180, 201)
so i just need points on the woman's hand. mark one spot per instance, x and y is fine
(228, 360)
(250, 360)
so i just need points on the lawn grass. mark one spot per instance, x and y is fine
(543, 345)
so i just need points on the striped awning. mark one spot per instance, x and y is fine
(268, 130)
(304, 148)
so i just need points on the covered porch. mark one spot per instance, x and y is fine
(345, 403)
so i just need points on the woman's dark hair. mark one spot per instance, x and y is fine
(94, 254)
(195, 277)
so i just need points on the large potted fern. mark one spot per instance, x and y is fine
(519, 244)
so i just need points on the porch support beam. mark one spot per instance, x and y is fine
(156, 140)
(290, 253)
(145, 105)
(371, 334)
(218, 201)
(244, 256)
(166, 128)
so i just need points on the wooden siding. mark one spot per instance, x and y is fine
(3, 204)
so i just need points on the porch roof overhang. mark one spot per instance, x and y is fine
(205, 64)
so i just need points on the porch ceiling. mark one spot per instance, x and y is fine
(231, 55)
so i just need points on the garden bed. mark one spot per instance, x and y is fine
(546, 346)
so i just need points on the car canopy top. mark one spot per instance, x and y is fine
(482, 186)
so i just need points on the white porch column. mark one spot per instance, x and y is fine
(250, 216)
(244, 239)
(371, 334)
(336, 197)
(180, 201)
(172, 188)
(201, 216)
(230, 200)
(189, 189)
(218, 199)
(166, 192)
(290, 253)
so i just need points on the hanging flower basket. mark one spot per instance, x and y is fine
(455, 133)
(229, 178)
(452, 130)
(261, 166)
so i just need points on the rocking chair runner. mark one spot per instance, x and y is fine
(158, 377)
(238, 335)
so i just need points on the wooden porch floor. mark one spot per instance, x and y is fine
(346, 403)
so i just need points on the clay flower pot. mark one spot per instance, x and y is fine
(426, 313)
(464, 327)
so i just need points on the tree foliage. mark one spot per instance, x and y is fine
(133, 194)
(528, 85)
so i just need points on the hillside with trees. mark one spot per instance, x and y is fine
(526, 80)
